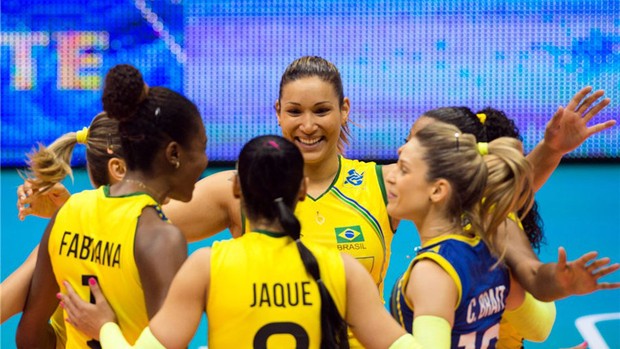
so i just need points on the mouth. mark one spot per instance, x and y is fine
(390, 196)
(309, 142)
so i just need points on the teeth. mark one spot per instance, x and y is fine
(309, 141)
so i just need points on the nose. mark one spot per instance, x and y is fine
(389, 178)
(307, 123)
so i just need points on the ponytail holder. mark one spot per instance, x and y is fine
(483, 148)
(482, 117)
(456, 135)
(81, 136)
(278, 200)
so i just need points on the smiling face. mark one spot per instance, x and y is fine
(311, 116)
(407, 187)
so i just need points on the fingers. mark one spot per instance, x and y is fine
(608, 285)
(589, 101)
(578, 97)
(561, 257)
(70, 302)
(96, 291)
(606, 270)
(23, 212)
(600, 127)
(583, 260)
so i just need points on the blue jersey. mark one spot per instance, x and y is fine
(482, 289)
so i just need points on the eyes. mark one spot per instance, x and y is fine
(320, 111)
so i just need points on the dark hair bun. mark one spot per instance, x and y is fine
(122, 92)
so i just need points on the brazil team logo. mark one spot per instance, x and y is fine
(345, 235)
(354, 178)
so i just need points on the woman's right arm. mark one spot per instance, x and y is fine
(212, 209)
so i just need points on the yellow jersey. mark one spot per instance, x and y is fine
(260, 295)
(351, 217)
(93, 236)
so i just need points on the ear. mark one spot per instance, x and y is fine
(440, 191)
(116, 170)
(278, 109)
(303, 189)
(345, 109)
(173, 154)
(236, 186)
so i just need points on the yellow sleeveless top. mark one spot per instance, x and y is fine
(351, 217)
(260, 295)
(93, 236)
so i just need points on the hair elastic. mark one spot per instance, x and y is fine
(482, 117)
(81, 136)
(274, 144)
(456, 135)
(483, 148)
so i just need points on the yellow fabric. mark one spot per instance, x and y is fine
(57, 322)
(432, 332)
(93, 235)
(405, 341)
(351, 216)
(271, 286)
(533, 319)
(509, 337)
(81, 136)
(112, 338)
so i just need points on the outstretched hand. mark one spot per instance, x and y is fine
(86, 317)
(569, 128)
(582, 276)
(40, 203)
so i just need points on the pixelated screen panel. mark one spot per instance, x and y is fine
(397, 59)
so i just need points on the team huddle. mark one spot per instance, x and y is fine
(312, 230)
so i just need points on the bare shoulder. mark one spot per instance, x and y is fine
(154, 233)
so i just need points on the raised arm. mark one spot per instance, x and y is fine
(553, 281)
(567, 129)
(212, 209)
(34, 330)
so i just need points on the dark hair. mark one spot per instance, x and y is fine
(314, 66)
(496, 124)
(50, 165)
(270, 170)
(149, 117)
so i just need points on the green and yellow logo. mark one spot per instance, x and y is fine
(345, 235)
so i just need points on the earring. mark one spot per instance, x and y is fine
(177, 164)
